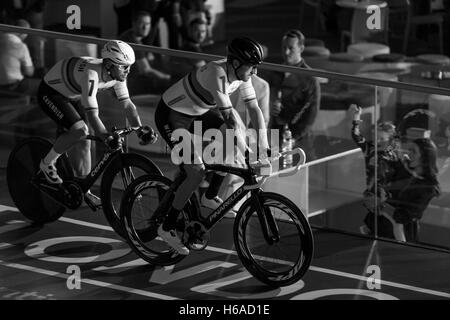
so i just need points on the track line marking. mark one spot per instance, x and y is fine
(86, 224)
(89, 281)
(319, 269)
(8, 208)
(232, 252)
(353, 276)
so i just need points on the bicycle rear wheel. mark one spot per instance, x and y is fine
(137, 209)
(119, 174)
(285, 261)
(22, 167)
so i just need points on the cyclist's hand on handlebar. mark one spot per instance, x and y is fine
(269, 153)
(114, 141)
(147, 135)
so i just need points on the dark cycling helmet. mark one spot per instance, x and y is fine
(245, 50)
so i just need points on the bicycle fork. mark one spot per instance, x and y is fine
(268, 224)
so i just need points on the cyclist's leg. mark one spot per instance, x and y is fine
(62, 111)
(167, 121)
(213, 120)
(80, 153)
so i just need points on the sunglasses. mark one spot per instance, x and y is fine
(122, 67)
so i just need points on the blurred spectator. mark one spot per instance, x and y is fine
(143, 77)
(16, 66)
(197, 33)
(191, 10)
(169, 10)
(33, 12)
(126, 9)
(297, 96)
(387, 148)
(412, 190)
(380, 167)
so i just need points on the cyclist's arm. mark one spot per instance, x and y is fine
(131, 112)
(226, 109)
(122, 94)
(89, 88)
(256, 116)
(232, 122)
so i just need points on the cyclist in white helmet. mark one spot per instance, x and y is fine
(68, 95)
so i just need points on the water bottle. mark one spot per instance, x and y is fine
(288, 143)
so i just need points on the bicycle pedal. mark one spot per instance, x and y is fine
(94, 207)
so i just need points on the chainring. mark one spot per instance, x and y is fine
(195, 236)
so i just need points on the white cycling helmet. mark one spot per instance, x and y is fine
(118, 52)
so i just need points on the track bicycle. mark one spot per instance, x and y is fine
(43, 202)
(272, 236)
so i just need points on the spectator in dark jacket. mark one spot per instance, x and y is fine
(296, 96)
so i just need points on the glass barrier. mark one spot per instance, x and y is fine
(419, 191)
(334, 188)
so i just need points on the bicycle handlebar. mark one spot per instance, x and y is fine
(294, 169)
(119, 132)
(124, 131)
(301, 162)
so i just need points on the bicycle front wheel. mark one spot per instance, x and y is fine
(119, 174)
(285, 261)
(139, 203)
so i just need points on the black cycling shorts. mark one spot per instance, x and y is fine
(64, 111)
(168, 120)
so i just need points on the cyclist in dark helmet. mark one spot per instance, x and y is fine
(208, 89)
(247, 52)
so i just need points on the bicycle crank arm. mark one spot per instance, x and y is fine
(68, 194)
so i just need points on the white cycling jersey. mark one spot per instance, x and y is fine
(81, 78)
(206, 88)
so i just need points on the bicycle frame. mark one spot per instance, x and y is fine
(87, 182)
(252, 186)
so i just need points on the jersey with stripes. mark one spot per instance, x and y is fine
(81, 77)
(206, 88)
